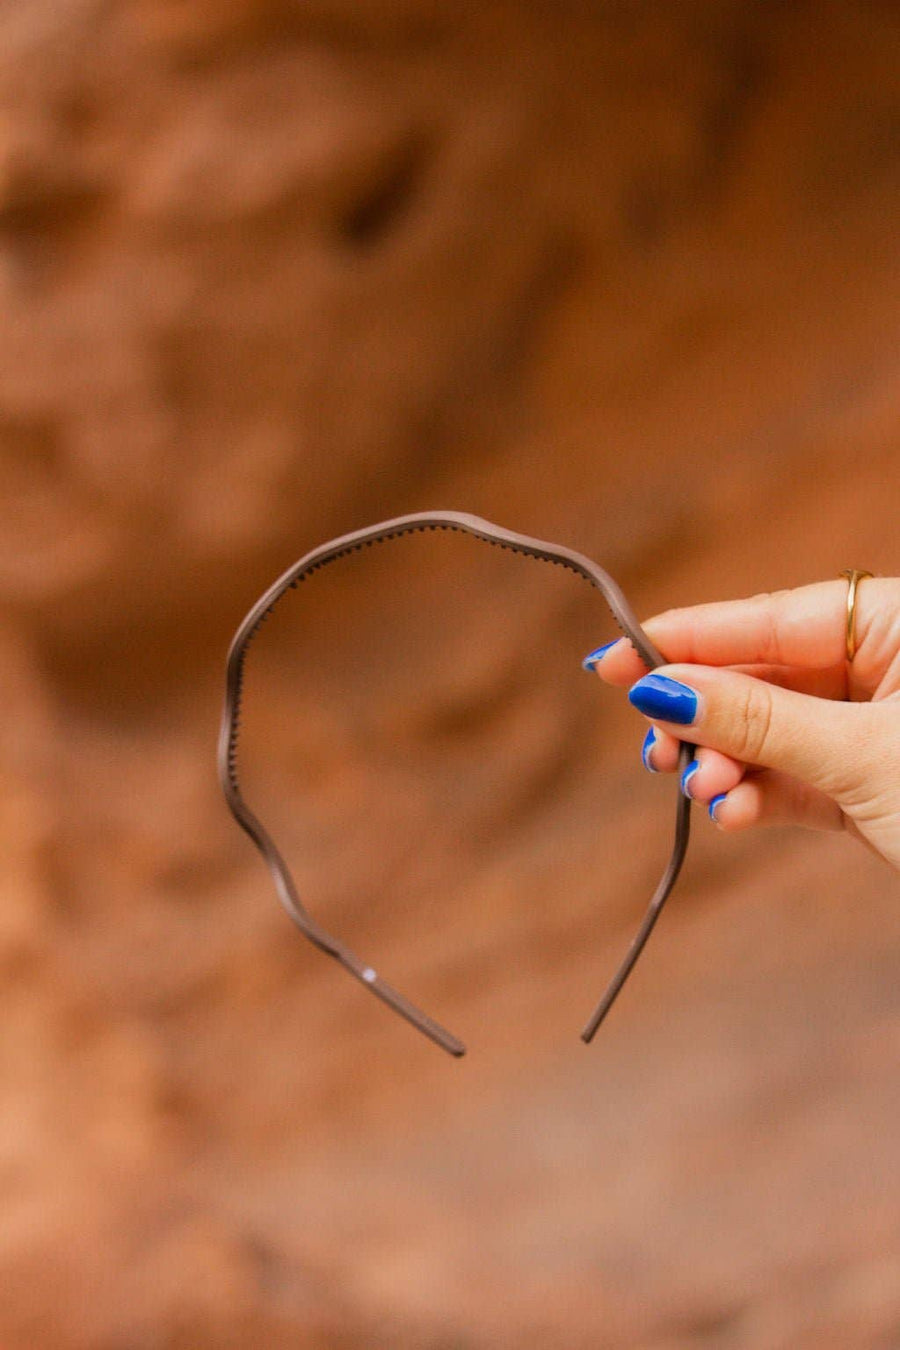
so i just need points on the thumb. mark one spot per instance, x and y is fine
(820, 741)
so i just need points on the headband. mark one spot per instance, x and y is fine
(230, 728)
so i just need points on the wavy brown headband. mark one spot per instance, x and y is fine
(228, 742)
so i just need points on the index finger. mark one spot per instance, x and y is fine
(802, 628)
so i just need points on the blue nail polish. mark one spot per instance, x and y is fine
(597, 654)
(688, 774)
(664, 699)
(715, 804)
(649, 742)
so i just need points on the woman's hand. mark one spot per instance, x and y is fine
(788, 731)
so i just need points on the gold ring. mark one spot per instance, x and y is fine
(854, 575)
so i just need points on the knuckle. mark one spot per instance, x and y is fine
(771, 602)
(764, 597)
(754, 723)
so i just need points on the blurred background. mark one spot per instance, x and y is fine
(621, 275)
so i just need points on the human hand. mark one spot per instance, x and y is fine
(788, 731)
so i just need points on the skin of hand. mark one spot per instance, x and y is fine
(788, 731)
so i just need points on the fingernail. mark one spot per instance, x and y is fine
(646, 748)
(714, 806)
(688, 774)
(664, 699)
(592, 658)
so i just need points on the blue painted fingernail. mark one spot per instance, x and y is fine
(664, 699)
(688, 774)
(649, 742)
(590, 661)
(715, 804)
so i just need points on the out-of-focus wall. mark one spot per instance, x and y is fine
(625, 276)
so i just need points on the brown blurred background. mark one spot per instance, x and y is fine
(623, 275)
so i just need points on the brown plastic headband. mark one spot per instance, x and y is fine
(228, 741)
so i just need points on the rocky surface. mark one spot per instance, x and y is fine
(622, 276)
